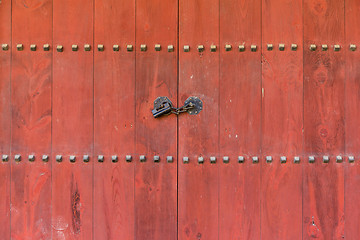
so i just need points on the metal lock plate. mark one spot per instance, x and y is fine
(197, 103)
(162, 106)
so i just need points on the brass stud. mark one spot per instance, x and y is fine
(59, 48)
(156, 159)
(281, 47)
(58, 158)
(337, 48)
(17, 158)
(87, 47)
(352, 47)
(128, 158)
(282, 159)
(228, 47)
(311, 159)
(46, 47)
(74, 47)
(225, 159)
(326, 159)
(31, 158)
(351, 159)
(114, 158)
(45, 158)
(186, 48)
(157, 47)
(294, 47)
(200, 160)
(268, 159)
(100, 158)
(33, 47)
(213, 48)
(169, 159)
(72, 158)
(296, 159)
(143, 47)
(5, 158)
(241, 159)
(170, 48)
(255, 159)
(324, 47)
(253, 48)
(185, 159)
(142, 158)
(129, 48)
(270, 47)
(19, 47)
(200, 48)
(116, 48)
(241, 48)
(212, 159)
(86, 158)
(5, 47)
(312, 47)
(339, 159)
(100, 47)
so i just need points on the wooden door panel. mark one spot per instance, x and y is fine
(323, 183)
(72, 129)
(240, 84)
(114, 120)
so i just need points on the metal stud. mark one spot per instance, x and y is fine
(5, 158)
(116, 48)
(326, 159)
(253, 48)
(59, 48)
(72, 158)
(169, 159)
(294, 47)
(312, 47)
(31, 158)
(19, 47)
(337, 48)
(142, 158)
(269, 47)
(282, 159)
(213, 48)
(114, 158)
(228, 47)
(143, 47)
(255, 159)
(17, 158)
(45, 158)
(185, 159)
(157, 47)
(128, 158)
(5, 47)
(241, 159)
(268, 159)
(58, 158)
(212, 159)
(86, 158)
(241, 48)
(170, 48)
(74, 47)
(87, 47)
(200, 48)
(156, 158)
(297, 159)
(324, 47)
(352, 47)
(351, 159)
(311, 159)
(46, 47)
(281, 47)
(129, 48)
(339, 159)
(200, 160)
(186, 48)
(100, 47)
(226, 159)
(100, 158)
(33, 47)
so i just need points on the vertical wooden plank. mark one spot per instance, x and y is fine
(31, 120)
(114, 121)
(199, 134)
(323, 185)
(240, 85)
(73, 120)
(282, 120)
(156, 71)
(5, 117)
(352, 114)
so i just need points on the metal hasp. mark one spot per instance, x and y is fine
(163, 106)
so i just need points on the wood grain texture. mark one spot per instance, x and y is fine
(114, 121)
(282, 120)
(240, 84)
(72, 212)
(5, 117)
(323, 183)
(156, 71)
(31, 120)
(352, 114)
(199, 134)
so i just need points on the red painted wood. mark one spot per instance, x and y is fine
(282, 120)
(5, 117)
(114, 121)
(156, 71)
(352, 113)
(323, 183)
(240, 78)
(31, 120)
(198, 134)
(72, 129)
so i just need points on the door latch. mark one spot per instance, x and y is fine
(163, 106)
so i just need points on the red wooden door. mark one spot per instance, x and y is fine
(273, 153)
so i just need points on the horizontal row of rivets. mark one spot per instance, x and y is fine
(336, 47)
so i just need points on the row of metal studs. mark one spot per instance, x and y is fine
(169, 159)
(170, 48)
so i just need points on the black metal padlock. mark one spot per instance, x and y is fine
(162, 106)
